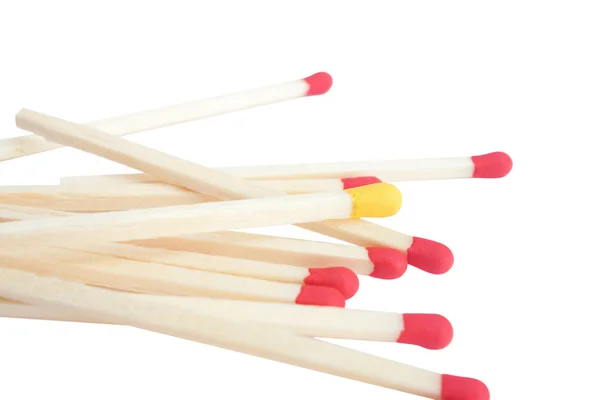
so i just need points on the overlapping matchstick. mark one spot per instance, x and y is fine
(164, 242)
(377, 262)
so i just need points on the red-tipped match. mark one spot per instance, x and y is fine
(319, 83)
(431, 331)
(430, 256)
(320, 296)
(492, 165)
(340, 278)
(387, 263)
(459, 388)
(350, 183)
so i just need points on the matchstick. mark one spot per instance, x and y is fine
(337, 277)
(145, 277)
(376, 200)
(316, 84)
(430, 331)
(377, 262)
(290, 186)
(274, 343)
(430, 256)
(103, 198)
(491, 165)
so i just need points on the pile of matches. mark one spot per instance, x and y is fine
(161, 249)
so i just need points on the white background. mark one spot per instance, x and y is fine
(411, 80)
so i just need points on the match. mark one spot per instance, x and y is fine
(377, 262)
(490, 166)
(316, 84)
(152, 278)
(429, 256)
(337, 277)
(378, 200)
(266, 341)
(430, 331)
(104, 198)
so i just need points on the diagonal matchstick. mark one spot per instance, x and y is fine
(487, 166)
(316, 84)
(430, 331)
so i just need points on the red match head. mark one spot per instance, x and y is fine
(431, 331)
(459, 388)
(319, 83)
(387, 263)
(320, 296)
(430, 256)
(350, 183)
(340, 278)
(492, 165)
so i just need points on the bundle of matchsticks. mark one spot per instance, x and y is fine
(164, 249)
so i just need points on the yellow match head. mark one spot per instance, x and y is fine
(378, 200)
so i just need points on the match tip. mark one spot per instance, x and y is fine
(320, 296)
(459, 388)
(359, 181)
(430, 256)
(379, 200)
(387, 263)
(340, 278)
(492, 165)
(318, 83)
(430, 331)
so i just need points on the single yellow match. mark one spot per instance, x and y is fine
(372, 201)
(378, 200)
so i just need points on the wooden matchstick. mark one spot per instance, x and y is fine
(377, 262)
(337, 277)
(103, 198)
(428, 255)
(316, 84)
(270, 342)
(376, 200)
(146, 277)
(491, 165)
(290, 186)
(430, 331)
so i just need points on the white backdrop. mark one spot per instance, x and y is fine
(411, 80)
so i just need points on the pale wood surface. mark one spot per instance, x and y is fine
(314, 321)
(165, 116)
(181, 220)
